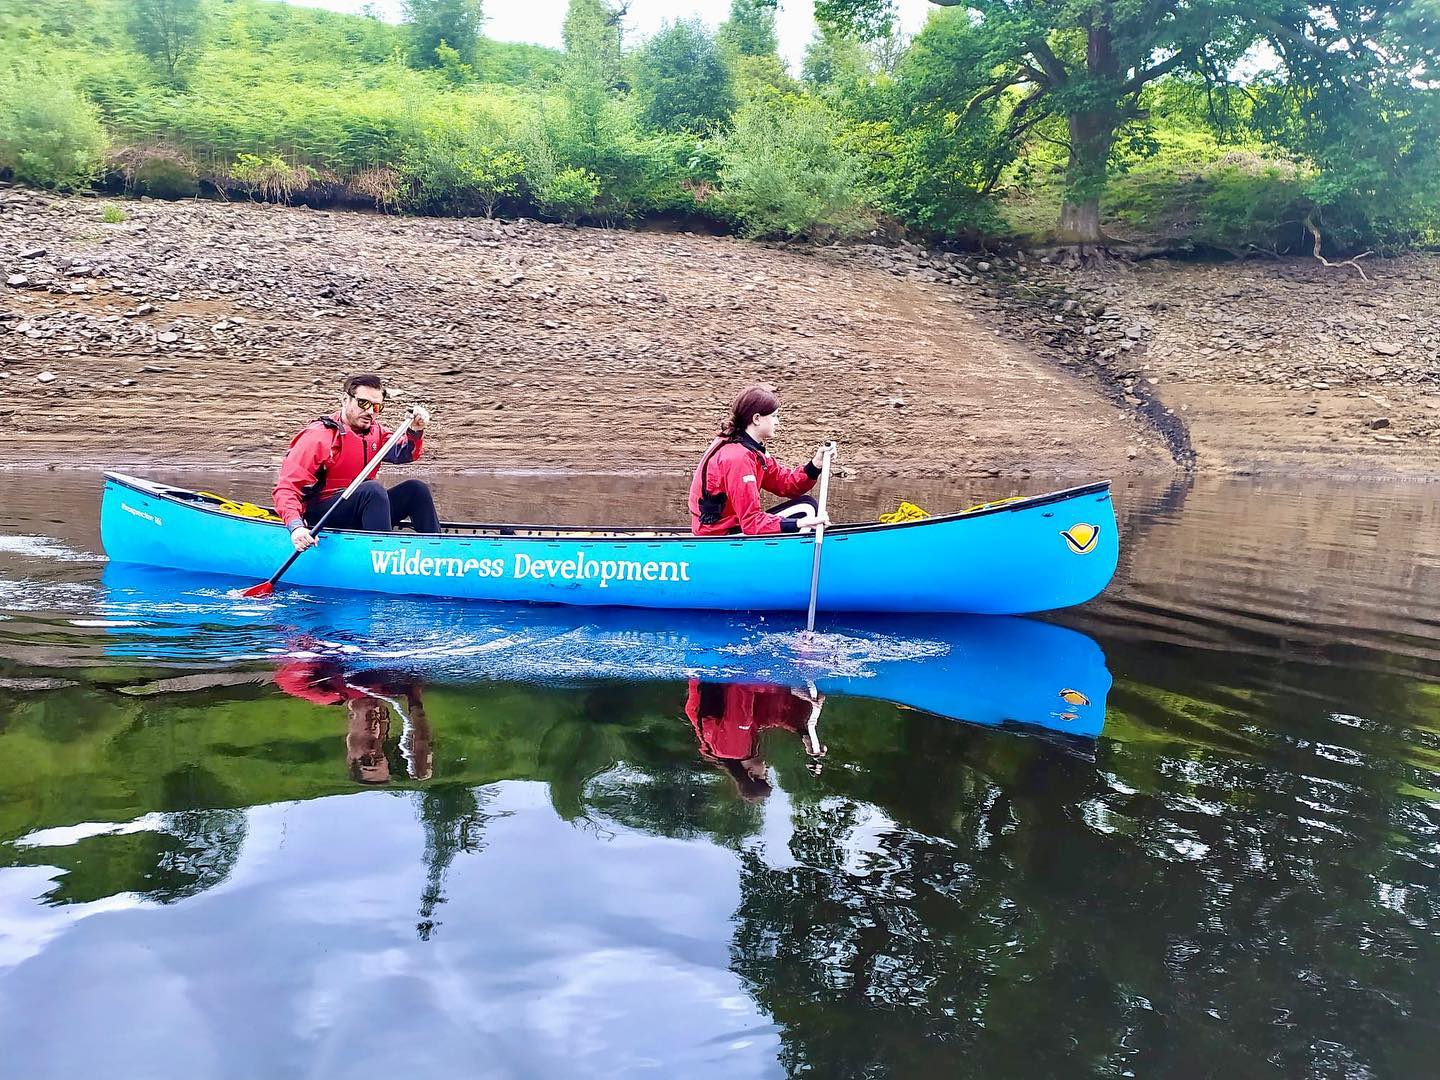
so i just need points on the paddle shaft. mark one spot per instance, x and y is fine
(360, 478)
(829, 452)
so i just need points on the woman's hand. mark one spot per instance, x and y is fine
(809, 521)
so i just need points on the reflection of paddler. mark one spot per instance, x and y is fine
(729, 717)
(368, 699)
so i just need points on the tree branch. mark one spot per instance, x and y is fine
(993, 91)
(1049, 63)
(1155, 71)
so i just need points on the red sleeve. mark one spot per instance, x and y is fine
(741, 484)
(777, 707)
(298, 471)
(308, 681)
(787, 482)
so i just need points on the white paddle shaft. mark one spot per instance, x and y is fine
(826, 455)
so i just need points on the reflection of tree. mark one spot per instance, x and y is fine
(1227, 884)
(192, 849)
(454, 821)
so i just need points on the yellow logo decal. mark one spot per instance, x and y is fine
(1073, 697)
(1081, 538)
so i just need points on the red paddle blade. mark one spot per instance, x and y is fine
(265, 588)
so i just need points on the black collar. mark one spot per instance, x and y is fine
(750, 444)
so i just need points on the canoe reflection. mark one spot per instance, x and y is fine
(995, 671)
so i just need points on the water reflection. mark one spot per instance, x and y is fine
(370, 700)
(1241, 868)
(1004, 672)
(730, 719)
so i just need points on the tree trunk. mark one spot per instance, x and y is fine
(1092, 132)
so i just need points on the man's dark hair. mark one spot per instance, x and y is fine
(356, 381)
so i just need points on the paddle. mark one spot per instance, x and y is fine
(265, 588)
(825, 457)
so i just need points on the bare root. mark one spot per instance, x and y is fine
(1314, 231)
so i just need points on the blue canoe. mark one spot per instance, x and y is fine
(1032, 554)
(994, 672)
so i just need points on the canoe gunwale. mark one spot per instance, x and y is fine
(620, 534)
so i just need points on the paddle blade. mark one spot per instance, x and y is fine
(265, 588)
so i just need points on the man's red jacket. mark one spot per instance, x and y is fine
(326, 456)
(738, 470)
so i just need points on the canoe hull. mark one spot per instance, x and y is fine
(1020, 558)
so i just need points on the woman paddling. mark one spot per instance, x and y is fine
(725, 492)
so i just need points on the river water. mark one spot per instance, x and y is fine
(1192, 828)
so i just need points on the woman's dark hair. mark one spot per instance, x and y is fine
(751, 788)
(354, 382)
(755, 399)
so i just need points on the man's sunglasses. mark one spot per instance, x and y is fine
(376, 407)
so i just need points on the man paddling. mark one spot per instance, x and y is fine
(332, 451)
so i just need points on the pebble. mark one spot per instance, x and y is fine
(46, 377)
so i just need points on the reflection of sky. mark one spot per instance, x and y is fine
(560, 951)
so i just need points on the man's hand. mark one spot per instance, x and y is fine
(302, 538)
(422, 417)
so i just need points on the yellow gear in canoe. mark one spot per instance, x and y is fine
(239, 509)
(907, 511)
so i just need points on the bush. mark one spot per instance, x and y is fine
(783, 171)
(111, 214)
(272, 178)
(159, 171)
(50, 133)
(570, 194)
(454, 165)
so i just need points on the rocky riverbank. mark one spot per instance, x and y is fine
(205, 333)
(1265, 366)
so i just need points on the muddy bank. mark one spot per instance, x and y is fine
(206, 333)
(1266, 366)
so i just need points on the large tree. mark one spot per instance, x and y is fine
(750, 29)
(454, 23)
(1087, 62)
(682, 81)
(168, 33)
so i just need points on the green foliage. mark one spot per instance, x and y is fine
(682, 82)
(470, 162)
(272, 178)
(50, 134)
(833, 61)
(750, 29)
(168, 33)
(569, 194)
(111, 214)
(444, 33)
(963, 132)
(785, 172)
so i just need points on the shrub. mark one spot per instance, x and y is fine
(50, 133)
(272, 178)
(159, 171)
(570, 194)
(382, 185)
(111, 214)
(471, 161)
(783, 171)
